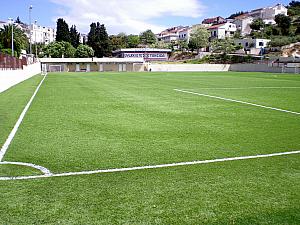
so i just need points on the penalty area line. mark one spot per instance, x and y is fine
(149, 167)
(237, 101)
(18, 123)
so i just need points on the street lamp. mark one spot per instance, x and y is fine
(12, 36)
(30, 44)
(35, 22)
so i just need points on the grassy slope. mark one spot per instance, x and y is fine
(262, 191)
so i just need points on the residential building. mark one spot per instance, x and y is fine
(40, 34)
(268, 14)
(83, 38)
(221, 31)
(214, 20)
(185, 33)
(174, 34)
(242, 23)
(250, 43)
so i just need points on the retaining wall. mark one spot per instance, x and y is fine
(188, 67)
(9, 78)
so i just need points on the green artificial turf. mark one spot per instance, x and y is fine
(90, 121)
(16, 171)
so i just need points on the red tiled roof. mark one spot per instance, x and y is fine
(216, 26)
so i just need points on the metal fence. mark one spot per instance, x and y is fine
(8, 62)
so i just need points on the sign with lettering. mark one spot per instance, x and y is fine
(147, 56)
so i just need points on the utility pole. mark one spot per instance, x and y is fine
(30, 43)
(35, 22)
(12, 36)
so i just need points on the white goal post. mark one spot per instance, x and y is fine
(55, 68)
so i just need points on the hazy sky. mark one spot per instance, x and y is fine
(129, 16)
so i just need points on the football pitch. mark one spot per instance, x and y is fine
(151, 148)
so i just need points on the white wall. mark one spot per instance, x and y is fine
(9, 78)
(219, 68)
(188, 67)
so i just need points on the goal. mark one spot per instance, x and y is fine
(55, 68)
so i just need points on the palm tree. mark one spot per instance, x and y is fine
(20, 38)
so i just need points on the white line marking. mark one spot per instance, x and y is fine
(238, 101)
(149, 167)
(241, 88)
(16, 127)
(44, 170)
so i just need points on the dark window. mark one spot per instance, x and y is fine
(261, 44)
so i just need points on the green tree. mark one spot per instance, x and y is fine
(91, 38)
(294, 8)
(183, 45)
(103, 47)
(74, 36)
(62, 31)
(20, 39)
(133, 41)
(257, 24)
(84, 51)
(118, 41)
(18, 20)
(98, 39)
(60, 49)
(147, 37)
(284, 23)
(224, 46)
(199, 38)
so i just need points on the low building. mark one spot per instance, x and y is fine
(222, 31)
(252, 43)
(92, 64)
(147, 54)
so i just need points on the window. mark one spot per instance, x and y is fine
(261, 44)
(246, 44)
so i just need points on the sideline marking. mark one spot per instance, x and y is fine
(148, 167)
(238, 101)
(44, 170)
(16, 127)
(241, 88)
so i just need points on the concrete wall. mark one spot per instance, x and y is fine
(219, 68)
(188, 67)
(9, 78)
(259, 68)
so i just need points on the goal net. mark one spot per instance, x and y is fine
(55, 68)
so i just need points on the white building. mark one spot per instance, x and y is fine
(242, 23)
(221, 31)
(268, 14)
(184, 34)
(248, 43)
(40, 34)
(174, 34)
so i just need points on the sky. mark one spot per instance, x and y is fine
(128, 16)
